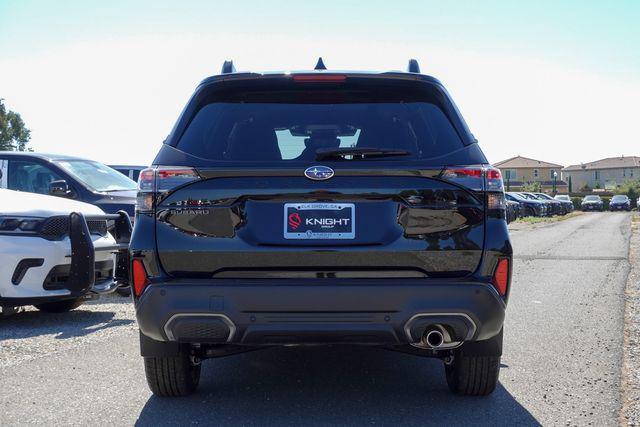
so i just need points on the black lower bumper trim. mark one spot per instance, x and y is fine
(376, 313)
(22, 267)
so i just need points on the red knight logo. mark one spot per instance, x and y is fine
(294, 220)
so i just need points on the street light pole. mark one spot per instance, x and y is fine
(555, 177)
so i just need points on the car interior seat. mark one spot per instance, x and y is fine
(253, 142)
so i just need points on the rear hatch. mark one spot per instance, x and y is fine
(319, 176)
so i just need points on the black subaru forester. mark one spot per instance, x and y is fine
(320, 207)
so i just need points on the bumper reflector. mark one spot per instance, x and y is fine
(140, 279)
(501, 276)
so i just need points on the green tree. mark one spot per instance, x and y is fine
(532, 187)
(585, 189)
(631, 189)
(14, 135)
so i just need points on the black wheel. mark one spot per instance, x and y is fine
(172, 376)
(60, 306)
(473, 375)
(124, 291)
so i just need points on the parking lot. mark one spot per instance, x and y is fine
(561, 363)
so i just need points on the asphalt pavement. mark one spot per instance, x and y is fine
(561, 362)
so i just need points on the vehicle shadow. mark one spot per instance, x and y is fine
(113, 298)
(330, 386)
(72, 324)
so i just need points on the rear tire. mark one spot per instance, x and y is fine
(473, 375)
(60, 306)
(172, 376)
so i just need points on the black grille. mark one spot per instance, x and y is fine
(58, 226)
(59, 275)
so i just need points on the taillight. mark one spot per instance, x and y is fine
(152, 182)
(168, 178)
(493, 179)
(494, 188)
(471, 177)
(501, 276)
(480, 178)
(140, 279)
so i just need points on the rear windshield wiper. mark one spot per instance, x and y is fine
(353, 153)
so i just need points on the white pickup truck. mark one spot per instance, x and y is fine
(56, 253)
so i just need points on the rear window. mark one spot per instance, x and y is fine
(282, 127)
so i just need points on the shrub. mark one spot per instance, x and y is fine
(631, 189)
(577, 203)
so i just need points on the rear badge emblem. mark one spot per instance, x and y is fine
(318, 173)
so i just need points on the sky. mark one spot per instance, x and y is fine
(555, 81)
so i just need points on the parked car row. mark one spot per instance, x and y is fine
(520, 204)
(619, 202)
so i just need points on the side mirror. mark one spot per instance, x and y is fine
(59, 188)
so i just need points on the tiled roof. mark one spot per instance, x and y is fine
(525, 162)
(608, 163)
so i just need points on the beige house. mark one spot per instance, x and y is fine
(606, 173)
(518, 171)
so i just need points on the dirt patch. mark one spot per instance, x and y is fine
(536, 221)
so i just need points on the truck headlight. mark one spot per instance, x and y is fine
(16, 225)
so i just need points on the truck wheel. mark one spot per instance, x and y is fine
(172, 376)
(473, 375)
(60, 306)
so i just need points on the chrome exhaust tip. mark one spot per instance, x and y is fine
(433, 338)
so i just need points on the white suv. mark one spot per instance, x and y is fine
(56, 252)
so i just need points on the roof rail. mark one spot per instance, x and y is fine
(320, 65)
(228, 68)
(413, 66)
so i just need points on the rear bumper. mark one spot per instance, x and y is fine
(592, 208)
(619, 208)
(261, 312)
